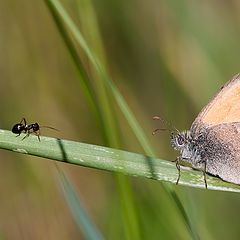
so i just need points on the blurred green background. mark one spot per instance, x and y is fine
(167, 58)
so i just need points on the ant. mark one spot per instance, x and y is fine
(28, 128)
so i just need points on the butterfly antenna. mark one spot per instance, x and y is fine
(159, 129)
(168, 124)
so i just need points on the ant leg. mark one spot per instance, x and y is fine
(38, 135)
(27, 135)
(24, 121)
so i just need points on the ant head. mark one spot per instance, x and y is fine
(35, 127)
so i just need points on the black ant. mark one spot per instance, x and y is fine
(28, 128)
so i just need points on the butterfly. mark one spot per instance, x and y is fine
(212, 144)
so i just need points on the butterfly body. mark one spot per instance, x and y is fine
(212, 144)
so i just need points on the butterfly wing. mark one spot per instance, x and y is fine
(224, 107)
(222, 151)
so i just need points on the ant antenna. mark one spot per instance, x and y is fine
(50, 128)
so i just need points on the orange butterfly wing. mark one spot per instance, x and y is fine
(224, 106)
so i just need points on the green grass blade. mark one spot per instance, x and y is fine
(81, 217)
(100, 69)
(132, 121)
(110, 159)
(83, 76)
(108, 123)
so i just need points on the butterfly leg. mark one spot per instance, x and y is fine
(203, 163)
(178, 168)
(204, 173)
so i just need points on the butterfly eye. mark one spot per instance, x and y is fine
(180, 140)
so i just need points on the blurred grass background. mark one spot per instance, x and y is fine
(167, 58)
